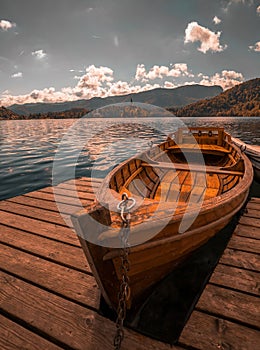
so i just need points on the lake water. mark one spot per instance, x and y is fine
(90, 146)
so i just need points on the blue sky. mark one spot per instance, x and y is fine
(69, 49)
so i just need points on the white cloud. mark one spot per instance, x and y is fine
(5, 25)
(157, 72)
(226, 79)
(255, 47)
(169, 85)
(160, 72)
(17, 75)
(95, 76)
(121, 88)
(258, 10)
(140, 73)
(39, 54)
(208, 39)
(216, 20)
(89, 9)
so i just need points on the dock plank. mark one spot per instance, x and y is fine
(208, 332)
(247, 231)
(252, 213)
(68, 192)
(244, 244)
(71, 201)
(71, 324)
(81, 187)
(38, 227)
(237, 278)
(241, 259)
(32, 212)
(250, 221)
(61, 253)
(15, 337)
(67, 282)
(67, 209)
(253, 205)
(230, 304)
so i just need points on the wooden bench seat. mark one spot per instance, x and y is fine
(193, 167)
(195, 147)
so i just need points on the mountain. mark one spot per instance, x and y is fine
(177, 97)
(241, 100)
(7, 114)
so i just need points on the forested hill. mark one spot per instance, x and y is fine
(6, 113)
(241, 100)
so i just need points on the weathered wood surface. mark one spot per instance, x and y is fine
(70, 324)
(237, 278)
(227, 315)
(241, 259)
(210, 332)
(48, 296)
(247, 231)
(14, 336)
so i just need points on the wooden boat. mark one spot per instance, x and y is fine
(179, 206)
(252, 152)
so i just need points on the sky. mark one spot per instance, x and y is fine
(64, 50)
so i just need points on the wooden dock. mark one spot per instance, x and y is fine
(227, 315)
(49, 298)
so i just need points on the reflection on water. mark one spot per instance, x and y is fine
(27, 147)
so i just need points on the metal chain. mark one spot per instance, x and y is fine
(124, 288)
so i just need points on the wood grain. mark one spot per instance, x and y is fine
(67, 282)
(244, 244)
(69, 323)
(250, 222)
(32, 212)
(46, 229)
(248, 231)
(207, 332)
(230, 304)
(242, 259)
(15, 337)
(237, 278)
(64, 254)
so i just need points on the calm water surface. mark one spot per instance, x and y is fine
(28, 147)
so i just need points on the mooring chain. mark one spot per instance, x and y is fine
(124, 288)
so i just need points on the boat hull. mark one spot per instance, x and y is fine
(153, 260)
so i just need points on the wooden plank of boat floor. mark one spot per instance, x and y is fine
(227, 313)
(48, 295)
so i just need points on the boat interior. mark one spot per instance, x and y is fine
(198, 163)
